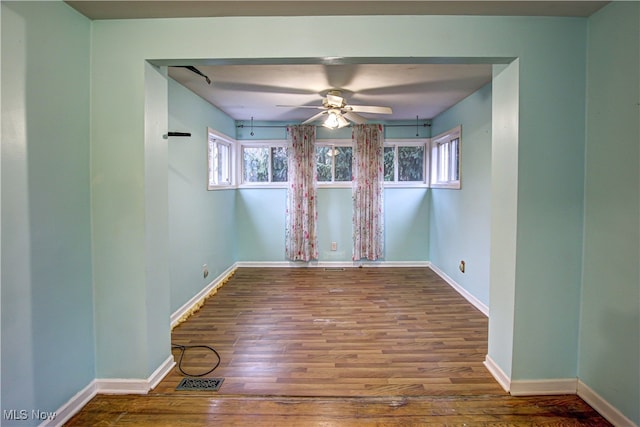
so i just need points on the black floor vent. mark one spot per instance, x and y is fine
(334, 269)
(211, 384)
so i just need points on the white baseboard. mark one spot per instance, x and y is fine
(499, 375)
(544, 387)
(331, 264)
(462, 291)
(161, 372)
(73, 406)
(214, 284)
(607, 410)
(109, 386)
(122, 386)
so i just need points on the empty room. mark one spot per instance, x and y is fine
(343, 213)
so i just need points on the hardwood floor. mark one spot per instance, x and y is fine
(382, 346)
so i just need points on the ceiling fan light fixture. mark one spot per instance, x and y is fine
(335, 120)
(342, 122)
(332, 120)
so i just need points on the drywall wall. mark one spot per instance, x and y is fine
(48, 349)
(460, 220)
(202, 223)
(610, 312)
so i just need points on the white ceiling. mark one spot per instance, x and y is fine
(245, 91)
(113, 9)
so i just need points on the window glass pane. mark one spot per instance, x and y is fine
(443, 166)
(410, 163)
(445, 159)
(389, 153)
(224, 176)
(255, 161)
(278, 164)
(212, 163)
(455, 160)
(323, 163)
(343, 163)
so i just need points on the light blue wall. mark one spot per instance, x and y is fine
(551, 54)
(406, 225)
(609, 360)
(261, 130)
(202, 223)
(277, 130)
(550, 204)
(261, 216)
(460, 221)
(261, 222)
(47, 299)
(156, 221)
(541, 154)
(335, 207)
(504, 214)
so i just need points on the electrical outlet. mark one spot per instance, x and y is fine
(334, 246)
(462, 266)
(205, 271)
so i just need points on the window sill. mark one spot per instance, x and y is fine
(264, 185)
(447, 185)
(220, 187)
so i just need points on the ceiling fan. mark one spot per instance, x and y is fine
(338, 113)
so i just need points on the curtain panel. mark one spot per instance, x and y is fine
(368, 192)
(301, 240)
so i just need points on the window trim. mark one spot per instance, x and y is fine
(436, 141)
(213, 136)
(237, 172)
(409, 142)
(260, 143)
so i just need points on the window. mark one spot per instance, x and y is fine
(220, 160)
(333, 163)
(445, 159)
(404, 162)
(264, 163)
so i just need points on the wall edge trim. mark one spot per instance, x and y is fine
(195, 300)
(544, 387)
(604, 408)
(499, 375)
(161, 372)
(484, 309)
(73, 405)
(109, 386)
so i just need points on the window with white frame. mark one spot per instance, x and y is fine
(220, 160)
(264, 163)
(334, 163)
(405, 162)
(445, 159)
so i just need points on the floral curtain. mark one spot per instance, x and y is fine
(368, 191)
(301, 212)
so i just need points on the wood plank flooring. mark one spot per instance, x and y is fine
(381, 346)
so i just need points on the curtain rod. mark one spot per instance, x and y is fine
(284, 126)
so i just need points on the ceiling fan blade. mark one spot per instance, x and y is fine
(314, 117)
(315, 107)
(356, 118)
(369, 109)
